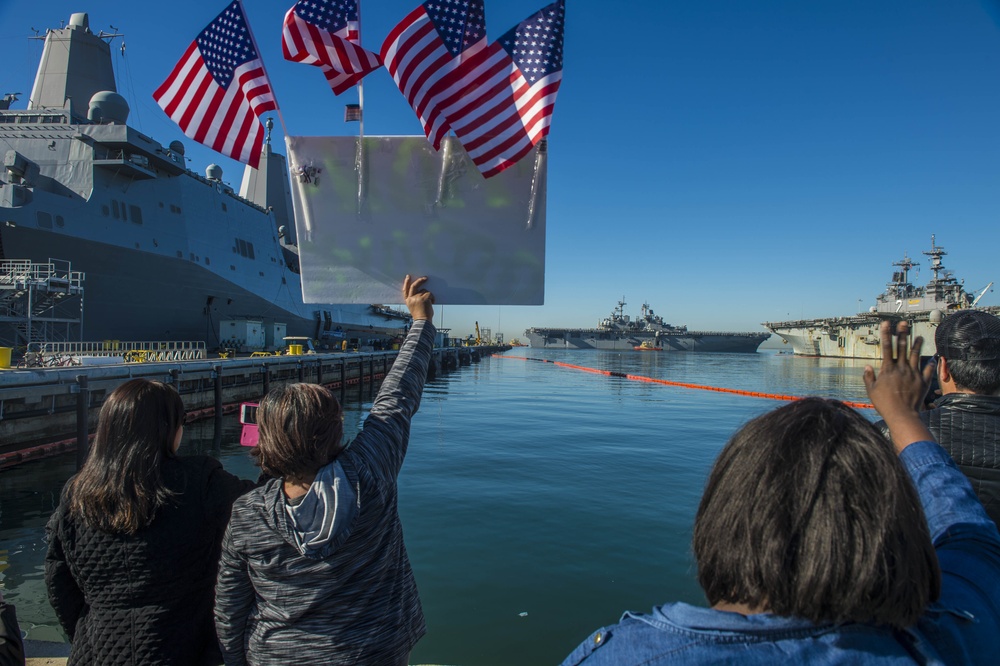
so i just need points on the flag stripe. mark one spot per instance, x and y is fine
(429, 51)
(326, 35)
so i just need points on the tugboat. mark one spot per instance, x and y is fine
(858, 336)
(620, 332)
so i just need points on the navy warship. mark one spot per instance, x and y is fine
(857, 336)
(150, 249)
(621, 332)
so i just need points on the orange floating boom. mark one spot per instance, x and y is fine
(700, 387)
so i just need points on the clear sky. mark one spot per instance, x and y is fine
(728, 161)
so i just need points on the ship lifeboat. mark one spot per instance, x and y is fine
(647, 345)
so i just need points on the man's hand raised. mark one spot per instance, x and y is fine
(900, 387)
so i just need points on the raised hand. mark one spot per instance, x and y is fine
(900, 387)
(418, 300)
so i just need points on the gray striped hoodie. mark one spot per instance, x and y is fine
(329, 581)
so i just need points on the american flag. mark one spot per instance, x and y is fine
(515, 92)
(429, 54)
(219, 88)
(325, 33)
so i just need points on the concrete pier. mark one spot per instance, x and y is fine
(45, 412)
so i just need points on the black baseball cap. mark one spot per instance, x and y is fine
(969, 335)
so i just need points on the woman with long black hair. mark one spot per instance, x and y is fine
(134, 544)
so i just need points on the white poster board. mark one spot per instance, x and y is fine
(365, 218)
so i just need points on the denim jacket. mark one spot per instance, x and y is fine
(962, 627)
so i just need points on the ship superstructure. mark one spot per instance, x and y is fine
(620, 332)
(167, 254)
(858, 336)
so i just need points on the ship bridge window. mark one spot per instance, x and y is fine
(244, 249)
(44, 220)
(124, 212)
(136, 213)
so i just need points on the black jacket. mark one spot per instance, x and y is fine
(11, 647)
(968, 427)
(146, 598)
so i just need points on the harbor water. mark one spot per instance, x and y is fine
(538, 501)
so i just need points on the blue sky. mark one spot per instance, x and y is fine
(730, 162)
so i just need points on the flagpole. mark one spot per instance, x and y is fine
(277, 107)
(536, 180)
(359, 159)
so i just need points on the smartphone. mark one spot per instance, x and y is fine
(248, 413)
(248, 418)
(934, 392)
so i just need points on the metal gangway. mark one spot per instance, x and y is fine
(128, 352)
(39, 301)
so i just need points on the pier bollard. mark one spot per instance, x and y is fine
(82, 424)
(217, 376)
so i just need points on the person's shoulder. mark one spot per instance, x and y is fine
(256, 498)
(635, 639)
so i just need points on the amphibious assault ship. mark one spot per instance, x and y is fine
(858, 336)
(621, 332)
(157, 251)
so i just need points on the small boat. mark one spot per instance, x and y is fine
(647, 345)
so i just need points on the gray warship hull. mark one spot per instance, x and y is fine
(691, 341)
(857, 336)
(164, 253)
(135, 295)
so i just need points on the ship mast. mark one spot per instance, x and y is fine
(935, 253)
(620, 310)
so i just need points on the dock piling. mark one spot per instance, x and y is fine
(217, 377)
(82, 423)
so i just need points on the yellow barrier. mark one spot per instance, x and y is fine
(5, 358)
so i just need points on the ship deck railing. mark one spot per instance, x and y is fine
(54, 273)
(172, 350)
(625, 333)
(869, 318)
